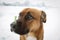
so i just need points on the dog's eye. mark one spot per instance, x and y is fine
(28, 16)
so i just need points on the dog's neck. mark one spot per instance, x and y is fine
(34, 35)
(38, 35)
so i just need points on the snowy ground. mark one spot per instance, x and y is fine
(51, 28)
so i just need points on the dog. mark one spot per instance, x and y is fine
(30, 23)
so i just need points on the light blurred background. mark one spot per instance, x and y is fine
(11, 8)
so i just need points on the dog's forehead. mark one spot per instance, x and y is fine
(34, 12)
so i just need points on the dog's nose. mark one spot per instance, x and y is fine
(13, 25)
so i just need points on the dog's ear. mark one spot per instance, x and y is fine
(43, 16)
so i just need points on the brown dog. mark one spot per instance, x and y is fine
(30, 23)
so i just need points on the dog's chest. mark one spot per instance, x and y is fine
(31, 38)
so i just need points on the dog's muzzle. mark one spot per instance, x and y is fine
(18, 28)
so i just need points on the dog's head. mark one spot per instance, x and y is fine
(29, 20)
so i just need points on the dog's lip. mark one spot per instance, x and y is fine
(22, 33)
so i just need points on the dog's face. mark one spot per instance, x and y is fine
(29, 20)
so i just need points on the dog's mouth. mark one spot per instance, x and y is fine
(23, 32)
(18, 29)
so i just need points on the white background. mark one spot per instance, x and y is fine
(51, 27)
